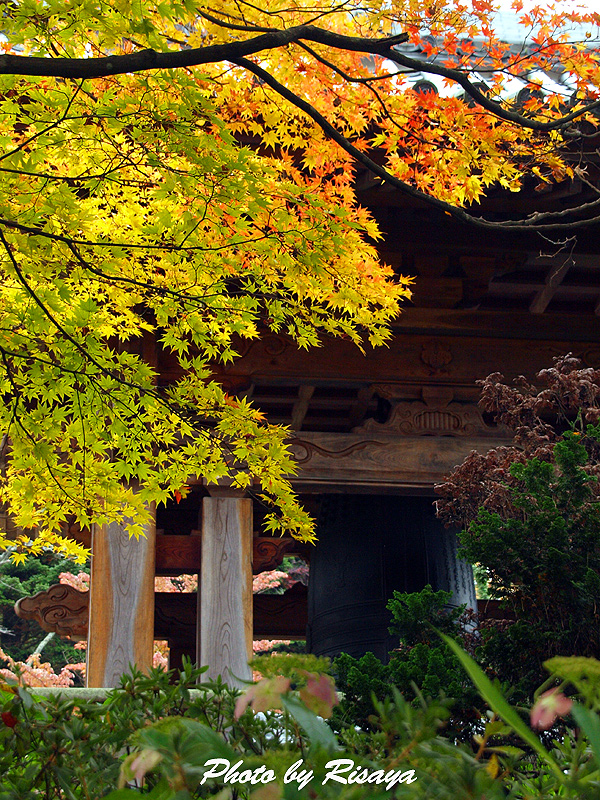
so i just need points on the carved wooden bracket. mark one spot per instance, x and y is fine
(61, 609)
(64, 610)
(269, 552)
(435, 416)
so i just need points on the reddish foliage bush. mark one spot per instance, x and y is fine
(537, 416)
(530, 514)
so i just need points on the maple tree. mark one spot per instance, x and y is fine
(184, 175)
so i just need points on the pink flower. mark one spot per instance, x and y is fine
(319, 695)
(548, 707)
(137, 765)
(266, 645)
(263, 695)
(80, 581)
(143, 763)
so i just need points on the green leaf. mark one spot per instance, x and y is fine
(590, 724)
(500, 705)
(25, 697)
(506, 750)
(319, 733)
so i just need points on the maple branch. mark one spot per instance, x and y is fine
(149, 59)
(549, 220)
(367, 82)
(201, 428)
(17, 395)
(330, 65)
(81, 68)
(495, 108)
(50, 316)
(163, 246)
(50, 127)
(232, 26)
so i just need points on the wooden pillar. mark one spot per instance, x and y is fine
(121, 626)
(224, 632)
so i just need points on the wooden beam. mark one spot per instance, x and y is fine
(63, 610)
(554, 277)
(176, 555)
(475, 340)
(301, 406)
(437, 292)
(472, 353)
(225, 586)
(496, 325)
(121, 626)
(374, 461)
(276, 616)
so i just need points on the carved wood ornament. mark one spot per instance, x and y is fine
(64, 610)
(61, 609)
(303, 449)
(435, 416)
(269, 552)
(437, 356)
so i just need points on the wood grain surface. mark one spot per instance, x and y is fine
(121, 627)
(225, 588)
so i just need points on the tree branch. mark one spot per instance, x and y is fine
(495, 108)
(151, 59)
(143, 60)
(536, 222)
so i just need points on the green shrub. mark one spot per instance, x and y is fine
(422, 664)
(153, 738)
(543, 559)
(530, 518)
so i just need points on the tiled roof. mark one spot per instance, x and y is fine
(508, 29)
(519, 37)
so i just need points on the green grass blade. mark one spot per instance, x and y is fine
(500, 705)
(590, 725)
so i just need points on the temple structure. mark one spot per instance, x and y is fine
(372, 434)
